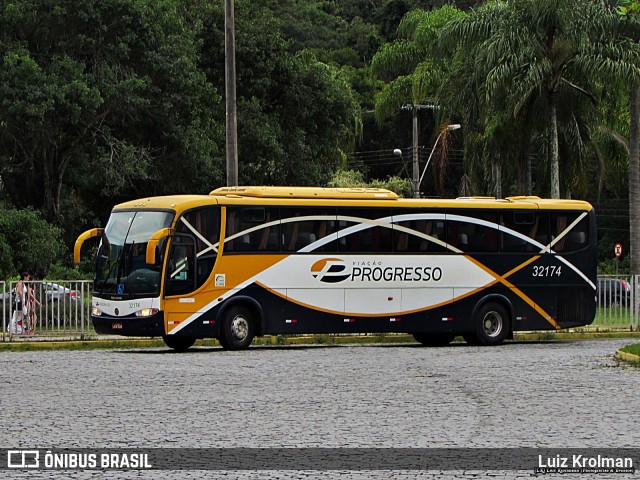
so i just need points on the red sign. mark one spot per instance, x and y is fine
(618, 249)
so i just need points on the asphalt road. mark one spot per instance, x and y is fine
(546, 394)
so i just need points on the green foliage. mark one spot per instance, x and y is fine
(628, 7)
(413, 71)
(401, 186)
(347, 179)
(634, 349)
(352, 178)
(58, 270)
(538, 65)
(102, 98)
(27, 243)
(612, 266)
(295, 112)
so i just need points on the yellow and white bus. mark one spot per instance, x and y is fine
(247, 261)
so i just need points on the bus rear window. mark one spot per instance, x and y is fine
(569, 231)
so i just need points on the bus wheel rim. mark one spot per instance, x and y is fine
(239, 327)
(492, 324)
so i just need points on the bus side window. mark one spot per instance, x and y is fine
(410, 236)
(362, 236)
(530, 224)
(484, 238)
(270, 240)
(252, 230)
(460, 234)
(311, 229)
(572, 240)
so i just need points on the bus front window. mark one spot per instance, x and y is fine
(122, 270)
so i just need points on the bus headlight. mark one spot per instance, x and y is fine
(146, 312)
(96, 312)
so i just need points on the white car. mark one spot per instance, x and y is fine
(56, 293)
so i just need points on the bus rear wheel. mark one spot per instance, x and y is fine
(238, 328)
(491, 325)
(179, 344)
(434, 339)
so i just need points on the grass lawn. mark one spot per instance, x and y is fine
(634, 349)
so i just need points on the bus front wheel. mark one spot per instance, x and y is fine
(491, 325)
(434, 339)
(237, 328)
(179, 344)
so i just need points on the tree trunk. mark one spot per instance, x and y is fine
(529, 168)
(53, 168)
(524, 174)
(520, 180)
(634, 179)
(555, 155)
(496, 174)
(416, 158)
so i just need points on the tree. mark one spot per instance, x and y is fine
(27, 242)
(630, 11)
(295, 113)
(413, 72)
(540, 53)
(102, 97)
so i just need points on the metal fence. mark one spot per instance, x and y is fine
(618, 300)
(61, 309)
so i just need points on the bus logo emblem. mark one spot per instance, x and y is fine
(330, 270)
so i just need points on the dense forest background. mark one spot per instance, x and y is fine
(103, 101)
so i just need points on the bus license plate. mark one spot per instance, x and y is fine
(116, 326)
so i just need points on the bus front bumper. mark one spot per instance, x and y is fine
(151, 326)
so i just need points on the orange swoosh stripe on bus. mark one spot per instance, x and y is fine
(503, 279)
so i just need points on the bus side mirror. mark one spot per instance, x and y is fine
(94, 232)
(153, 243)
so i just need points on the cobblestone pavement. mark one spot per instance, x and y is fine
(554, 394)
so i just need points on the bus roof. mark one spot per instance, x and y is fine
(307, 192)
(372, 197)
(169, 202)
(347, 197)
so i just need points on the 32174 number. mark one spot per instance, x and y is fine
(547, 271)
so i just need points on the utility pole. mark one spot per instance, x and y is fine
(415, 177)
(230, 93)
(416, 164)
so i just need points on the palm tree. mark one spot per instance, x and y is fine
(630, 11)
(538, 54)
(408, 64)
(411, 69)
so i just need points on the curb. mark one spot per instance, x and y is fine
(627, 357)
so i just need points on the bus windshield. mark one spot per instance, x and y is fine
(122, 270)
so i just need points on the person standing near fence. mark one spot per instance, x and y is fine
(20, 311)
(32, 301)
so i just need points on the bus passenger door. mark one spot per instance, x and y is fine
(192, 258)
(179, 282)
